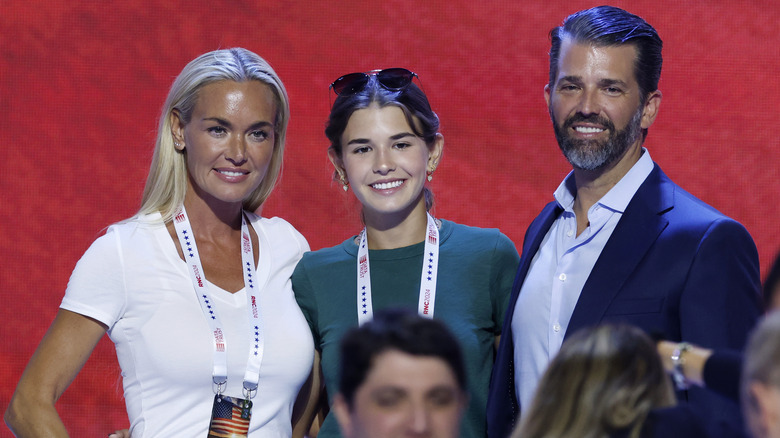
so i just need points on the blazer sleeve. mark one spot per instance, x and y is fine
(719, 305)
(721, 298)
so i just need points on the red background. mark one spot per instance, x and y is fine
(82, 83)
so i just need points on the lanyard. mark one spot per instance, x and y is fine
(430, 265)
(187, 240)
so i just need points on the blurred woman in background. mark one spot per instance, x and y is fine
(607, 382)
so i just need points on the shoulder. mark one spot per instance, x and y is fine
(131, 232)
(278, 232)
(475, 238)
(682, 208)
(466, 233)
(659, 189)
(317, 274)
(272, 224)
(126, 252)
(685, 202)
(131, 242)
(345, 251)
(460, 231)
(691, 213)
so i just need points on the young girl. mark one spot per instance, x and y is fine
(385, 145)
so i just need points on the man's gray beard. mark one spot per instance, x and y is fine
(595, 154)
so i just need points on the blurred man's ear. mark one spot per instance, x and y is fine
(343, 414)
(766, 420)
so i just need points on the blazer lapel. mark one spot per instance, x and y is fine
(635, 233)
(533, 239)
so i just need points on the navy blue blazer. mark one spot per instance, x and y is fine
(674, 266)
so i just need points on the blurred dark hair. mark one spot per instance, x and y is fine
(395, 329)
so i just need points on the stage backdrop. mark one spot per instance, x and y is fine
(82, 84)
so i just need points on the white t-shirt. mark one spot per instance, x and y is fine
(132, 280)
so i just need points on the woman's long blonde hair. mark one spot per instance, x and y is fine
(167, 182)
(604, 379)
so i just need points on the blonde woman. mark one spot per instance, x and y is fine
(195, 289)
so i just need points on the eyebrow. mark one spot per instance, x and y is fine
(443, 389)
(602, 82)
(572, 79)
(610, 82)
(398, 136)
(223, 122)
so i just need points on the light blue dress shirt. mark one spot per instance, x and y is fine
(558, 273)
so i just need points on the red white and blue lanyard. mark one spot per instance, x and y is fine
(187, 240)
(430, 266)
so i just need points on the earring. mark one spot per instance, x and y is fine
(343, 181)
(431, 168)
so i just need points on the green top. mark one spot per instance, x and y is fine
(476, 270)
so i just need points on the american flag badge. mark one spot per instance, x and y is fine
(230, 417)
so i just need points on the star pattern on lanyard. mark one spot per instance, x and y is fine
(249, 275)
(208, 304)
(251, 286)
(187, 242)
(257, 339)
(363, 293)
(430, 266)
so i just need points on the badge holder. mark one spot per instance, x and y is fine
(230, 415)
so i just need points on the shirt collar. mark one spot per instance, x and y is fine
(618, 197)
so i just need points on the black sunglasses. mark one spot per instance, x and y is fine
(393, 79)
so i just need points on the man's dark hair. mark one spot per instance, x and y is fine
(395, 329)
(605, 26)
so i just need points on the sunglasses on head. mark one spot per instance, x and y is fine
(393, 79)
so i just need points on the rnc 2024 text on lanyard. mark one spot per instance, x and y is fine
(224, 407)
(430, 266)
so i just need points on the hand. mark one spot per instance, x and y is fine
(124, 433)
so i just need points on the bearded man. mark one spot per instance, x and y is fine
(621, 242)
